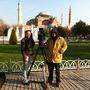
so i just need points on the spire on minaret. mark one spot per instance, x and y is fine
(69, 18)
(61, 18)
(19, 13)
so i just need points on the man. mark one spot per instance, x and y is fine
(56, 46)
(27, 44)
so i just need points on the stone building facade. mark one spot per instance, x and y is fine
(44, 20)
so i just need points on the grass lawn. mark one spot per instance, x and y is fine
(78, 50)
(10, 52)
(75, 50)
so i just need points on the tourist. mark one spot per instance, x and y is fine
(56, 46)
(27, 44)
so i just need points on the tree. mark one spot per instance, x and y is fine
(88, 32)
(79, 29)
(68, 32)
(1, 21)
(13, 38)
(88, 29)
(61, 31)
(3, 28)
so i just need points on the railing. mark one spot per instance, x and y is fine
(66, 64)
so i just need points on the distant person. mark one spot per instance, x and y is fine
(27, 44)
(56, 46)
(2, 79)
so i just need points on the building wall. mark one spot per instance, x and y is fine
(44, 21)
(41, 19)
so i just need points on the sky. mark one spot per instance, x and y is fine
(30, 8)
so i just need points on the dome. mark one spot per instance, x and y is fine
(45, 13)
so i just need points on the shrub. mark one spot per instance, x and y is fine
(13, 38)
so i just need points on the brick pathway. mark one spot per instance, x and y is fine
(70, 80)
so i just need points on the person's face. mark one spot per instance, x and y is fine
(54, 35)
(28, 34)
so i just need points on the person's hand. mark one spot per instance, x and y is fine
(44, 44)
(26, 58)
(55, 53)
(60, 51)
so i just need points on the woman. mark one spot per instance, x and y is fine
(27, 44)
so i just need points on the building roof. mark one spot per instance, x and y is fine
(31, 21)
(44, 13)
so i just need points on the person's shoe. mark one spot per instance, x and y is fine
(58, 81)
(50, 83)
(26, 82)
(57, 84)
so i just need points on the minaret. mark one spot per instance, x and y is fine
(69, 18)
(19, 13)
(20, 26)
(61, 18)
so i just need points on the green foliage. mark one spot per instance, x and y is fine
(68, 32)
(80, 28)
(13, 38)
(61, 31)
(88, 29)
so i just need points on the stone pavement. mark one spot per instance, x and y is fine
(70, 80)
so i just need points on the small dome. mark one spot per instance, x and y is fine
(45, 13)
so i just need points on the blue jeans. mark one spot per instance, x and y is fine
(26, 67)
